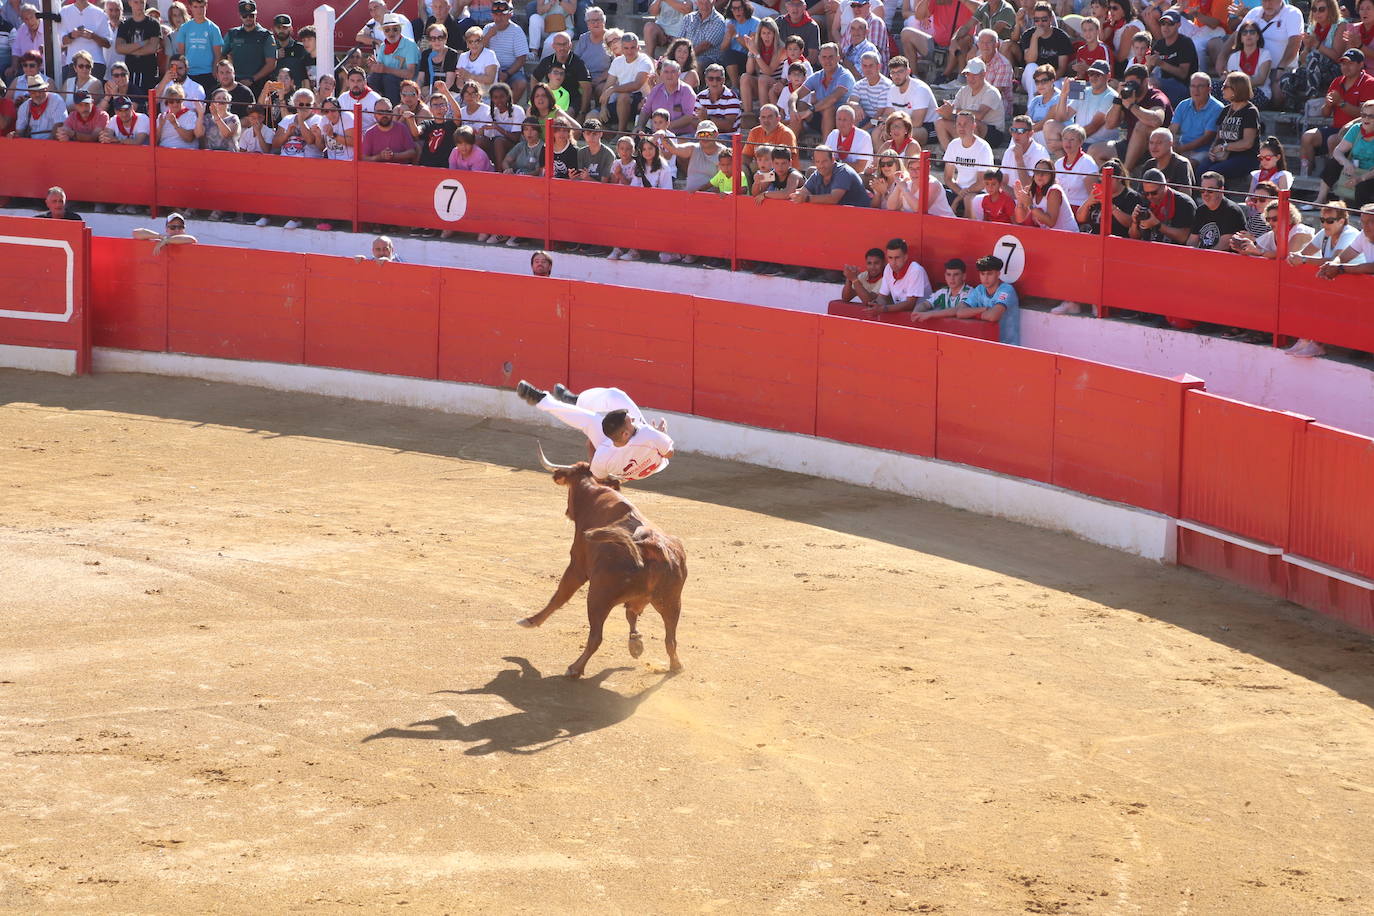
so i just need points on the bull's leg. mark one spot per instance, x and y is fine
(669, 608)
(600, 600)
(573, 579)
(632, 612)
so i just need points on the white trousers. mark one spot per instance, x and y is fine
(591, 406)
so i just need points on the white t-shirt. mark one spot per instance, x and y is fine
(1077, 179)
(1278, 30)
(195, 93)
(938, 203)
(296, 147)
(484, 60)
(1298, 237)
(1034, 153)
(622, 71)
(1089, 107)
(167, 134)
(248, 140)
(787, 65)
(369, 102)
(970, 162)
(337, 132)
(785, 102)
(989, 97)
(1364, 248)
(478, 120)
(860, 151)
(914, 284)
(915, 97)
(641, 456)
(509, 120)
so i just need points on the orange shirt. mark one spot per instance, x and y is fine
(782, 136)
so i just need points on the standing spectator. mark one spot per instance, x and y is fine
(240, 96)
(478, 63)
(386, 141)
(716, 103)
(509, 44)
(1178, 170)
(673, 96)
(967, 157)
(84, 122)
(994, 300)
(397, 60)
(1217, 219)
(994, 205)
(84, 27)
(864, 284)
(797, 21)
(202, 44)
(296, 56)
(1018, 162)
(40, 114)
(981, 101)
(826, 90)
(139, 39)
(831, 183)
(127, 126)
(904, 281)
(1168, 216)
(625, 82)
(1043, 202)
(1138, 109)
(1235, 152)
(56, 202)
(251, 47)
(1174, 58)
(1195, 121)
(705, 29)
(1350, 171)
(575, 76)
(178, 124)
(909, 95)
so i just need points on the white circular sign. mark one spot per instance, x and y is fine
(1013, 254)
(450, 200)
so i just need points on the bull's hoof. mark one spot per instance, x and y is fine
(674, 666)
(573, 673)
(527, 622)
(636, 645)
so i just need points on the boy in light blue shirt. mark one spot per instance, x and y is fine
(994, 300)
(202, 43)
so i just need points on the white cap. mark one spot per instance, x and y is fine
(975, 65)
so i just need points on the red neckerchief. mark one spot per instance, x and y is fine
(81, 120)
(898, 276)
(900, 149)
(1366, 37)
(805, 20)
(1321, 31)
(1068, 166)
(133, 122)
(1163, 211)
(357, 96)
(772, 53)
(843, 146)
(390, 48)
(1365, 136)
(1248, 62)
(36, 110)
(1266, 174)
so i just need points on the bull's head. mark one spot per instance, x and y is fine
(565, 474)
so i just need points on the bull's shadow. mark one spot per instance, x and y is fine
(552, 708)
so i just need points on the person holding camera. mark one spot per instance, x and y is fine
(1138, 109)
(1168, 215)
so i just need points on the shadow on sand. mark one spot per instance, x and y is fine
(552, 708)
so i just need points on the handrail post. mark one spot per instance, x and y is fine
(548, 183)
(1104, 227)
(922, 199)
(736, 159)
(357, 165)
(153, 131)
(1282, 226)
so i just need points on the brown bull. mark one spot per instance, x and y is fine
(626, 560)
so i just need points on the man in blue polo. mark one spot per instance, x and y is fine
(831, 183)
(994, 300)
(827, 89)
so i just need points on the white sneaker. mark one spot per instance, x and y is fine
(481, 236)
(263, 221)
(1305, 348)
(667, 257)
(215, 216)
(1067, 308)
(689, 259)
(493, 239)
(292, 224)
(512, 242)
(615, 254)
(630, 255)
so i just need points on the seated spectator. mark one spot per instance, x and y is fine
(1174, 57)
(1178, 171)
(174, 234)
(1092, 109)
(897, 186)
(565, 152)
(994, 205)
(897, 129)
(706, 29)
(396, 59)
(82, 63)
(904, 282)
(387, 141)
(864, 284)
(1039, 108)
(667, 24)
(716, 103)
(1267, 246)
(1336, 236)
(843, 17)
(856, 45)
(983, 103)
(442, 20)
(831, 182)
(548, 17)
(1235, 152)
(1043, 202)
(998, 71)
(824, 91)
(467, 156)
(40, 114)
(649, 170)
(276, 96)
(504, 38)
(1273, 166)
(1125, 200)
(222, 126)
(625, 83)
(740, 23)
(502, 128)
(477, 63)
(675, 97)
(1090, 50)
(56, 202)
(116, 85)
(684, 55)
(335, 130)
(179, 125)
(435, 134)
(1281, 28)
(373, 31)
(1138, 109)
(793, 52)
(527, 156)
(767, 54)
(1322, 46)
(1195, 122)
(952, 296)
(1018, 162)
(84, 123)
(1217, 219)
(1042, 43)
(1350, 171)
(476, 113)
(590, 48)
(793, 102)
(576, 80)
(1204, 25)
(1077, 173)
(772, 132)
(594, 159)
(723, 181)
(994, 300)
(701, 157)
(127, 126)
(850, 144)
(411, 106)
(967, 157)
(1168, 216)
(911, 97)
(1255, 203)
(1342, 104)
(1252, 60)
(871, 90)
(780, 181)
(358, 94)
(1356, 259)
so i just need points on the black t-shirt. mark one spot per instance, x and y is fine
(1210, 225)
(143, 69)
(1154, 100)
(1178, 172)
(1231, 125)
(67, 214)
(1181, 53)
(240, 99)
(1126, 201)
(1184, 211)
(1050, 48)
(436, 142)
(433, 71)
(565, 161)
(575, 72)
(295, 59)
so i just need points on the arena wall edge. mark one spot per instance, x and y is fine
(38, 359)
(1130, 530)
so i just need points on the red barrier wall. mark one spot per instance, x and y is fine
(639, 343)
(1212, 286)
(963, 327)
(1333, 488)
(876, 385)
(496, 330)
(234, 303)
(1329, 311)
(371, 316)
(128, 295)
(54, 282)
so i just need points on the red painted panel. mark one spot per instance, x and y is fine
(1345, 602)
(376, 317)
(1117, 434)
(756, 365)
(128, 295)
(31, 167)
(1219, 288)
(1238, 466)
(816, 235)
(276, 185)
(496, 329)
(876, 385)
(1326, 310)
(996, 407)
(45, 274)
(1264, 573)
(1333, 490)
(640, 342)
(235, 303)
(650, 219)
(1059, 265)
(964, 327)
(403, 195)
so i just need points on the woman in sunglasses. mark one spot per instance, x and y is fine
(1273, 166)
(1251, 59)
(438, 60)
(83, 80)
(1335, 236)
(1043, 202)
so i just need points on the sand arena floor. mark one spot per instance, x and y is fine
(257, 654)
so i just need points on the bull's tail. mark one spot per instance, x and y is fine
(618, 537)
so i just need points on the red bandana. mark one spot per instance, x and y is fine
(843, 146)
(1163, 207)
(126, 131)
(389, 47)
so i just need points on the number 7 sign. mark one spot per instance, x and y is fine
(1013, 254)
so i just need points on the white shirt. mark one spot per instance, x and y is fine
(915, 97)
(860, 151)
(641, 456)
(1034, 153)
(337, 131)
(248, 140)
(140, 127)
(937, 203)
(1076, 179)
(1089, 107)
(622, 71)
(167, 134)
(296, 147)
(369, 102)
(194, 92)
(914, 284)
(1278, 30)
(1298, 237)
(484, 60)
(93, 18)
(970, 162)
(379, 36)
(509, 120)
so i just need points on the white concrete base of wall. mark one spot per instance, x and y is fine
(1134, 531)
(38, 359)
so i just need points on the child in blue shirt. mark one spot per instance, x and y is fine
(994, 300)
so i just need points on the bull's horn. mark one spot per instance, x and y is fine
(549, 465)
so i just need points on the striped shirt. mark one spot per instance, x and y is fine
(873, 97)
(507, 44)
(712, 29)
(727, 107)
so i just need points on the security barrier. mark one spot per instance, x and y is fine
(44, 290)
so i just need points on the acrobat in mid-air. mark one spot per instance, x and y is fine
(624, 445)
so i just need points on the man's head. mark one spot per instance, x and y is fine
(858, 30)
(1199, 88)
(1042, 17)
(382, 111)
(1213, 191)
(501, 12)
(874, 260)
(137, 8)
(618, 427)
(224, 73)
(56, 201)
(562, 45)
(987, 44)
(197, 8)
(391, 28)
(1168, 25)
(629, 45)
(975, 72)
(715, 79)
(897, 254)
(38, 89)
(356, 81)
(964, 123)
(989, 270)
(124, 108)
(248, 14)
(769, 117)
(176, 224)
(707, 133)
(830, 56)
(671, 73)
(377, 10)
(782, 160)
(1022, 131)
(1153, 185)
(899, 70)
(1098, 74)
(705, 8)
(871, 66)
(1161, 143)
(1137, 73)
(281, 27)
(83, 102)
(795, 10)
(1352, 62)
(844, 119)
(823, 158)
(955, 272)
(541, 264)
(383, 248)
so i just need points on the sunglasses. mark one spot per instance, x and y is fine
(1153, 194)
(1269, 158)
(1328, 220)
(1271, 219)
(83, 66)
(437, 37)
(715, 79)
(1040, 20)
(1044, 79)
(1020, 130)
(888, 165)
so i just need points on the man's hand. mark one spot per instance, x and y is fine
(800, 196)
(661, 425)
